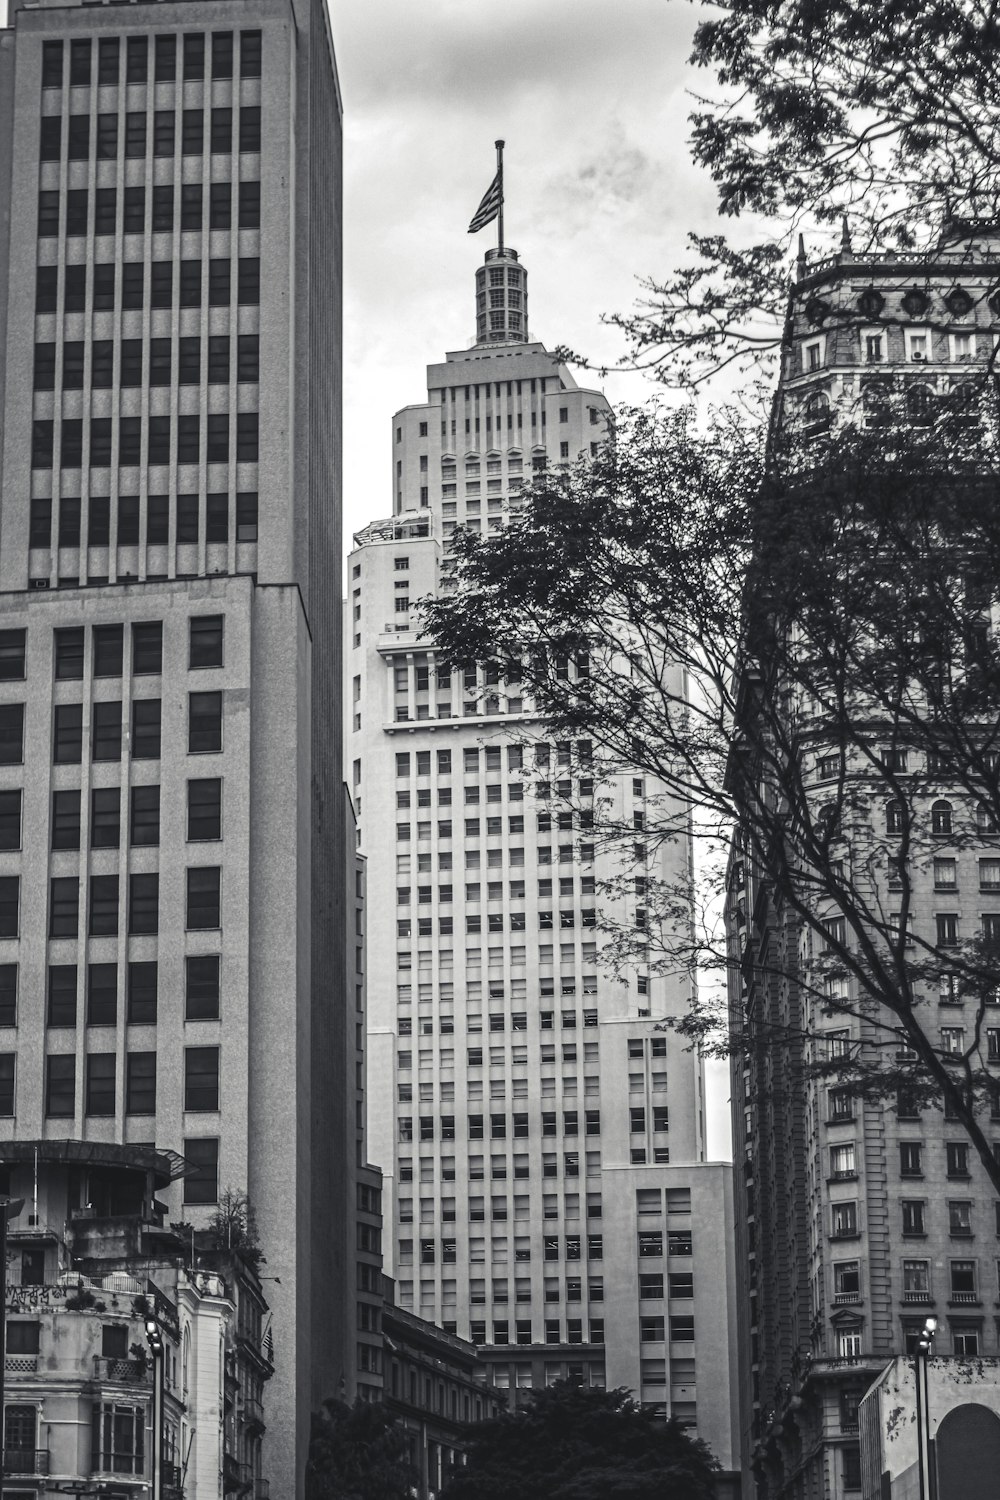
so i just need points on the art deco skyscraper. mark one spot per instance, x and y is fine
(172, 876)
(542, 1144)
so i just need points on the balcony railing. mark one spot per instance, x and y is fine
(966, 1299)
(916, 1296)
(20, 1364)
(171, 1474)
(26, 1460)
(129, 1370)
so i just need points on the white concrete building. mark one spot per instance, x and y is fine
(546, 1192)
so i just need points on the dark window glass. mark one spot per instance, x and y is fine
(108, 50)
(142, 984)
(158, 441)
(69, 521)
(128, 520)
(189, 360)
(194, 55)
(101, 1084)
(48, 213)
(102, 994)
(46, 288)
(132, 284)
(8, 994)
(52, 65)
(108, 647)
(146, 728)
(246, 516)
(205, 641)
(134, 218)
(163, 209)
(67, 744)
(187, 519)
(103, 906)
(10, 819)
(218, 283)
(60, 1091)
(147, 648)
(78, 144)
(250, 128)
(220, 207)
(201, 988)
(12, 734)
(79, 62)
(12, 655)
(247, 437)
(140, 1083)
(64, 906)
(217, 438)
(249, 205)
(188, 440)
(204, 809)
(41, 443)
(105, 817)
(50, 138)
(193, 132)
(40, 524)
(248, 357)
(249, 280)
(218, 359)
(191, 205)
(144, 903)
(190, 285)
(159, 362)
(165, 59)
(99, 519)
(136, 60)
(135, 133)
(158, 520)
(145, 821)
(107, 137)
(201, 1078)
(250, 54)
(202, 1184)
(66, 819)
(106, 734)
(73, 365)
(222, 54)
(69, 654)
(75, 291)
(161, 283)
(76, 211)
(62, 994)
(45, 367)
(10, 900)
(217, 517)
(7, 1108)
(102, 371)
(204, 723)
(204, 898)
(222, 131)
(71, 456)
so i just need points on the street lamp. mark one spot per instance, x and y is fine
(925, 1344)
(154, 1338)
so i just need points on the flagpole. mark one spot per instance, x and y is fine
(499, 146)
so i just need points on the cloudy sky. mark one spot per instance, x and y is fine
(592, 102)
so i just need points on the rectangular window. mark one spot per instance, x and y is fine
(102, 994)
(142, 991)
(8, 994)
(144, 822)
(140, 1083)
(249, 205)
(204, 723)
(221, 132)
(10, 820)
(193, 134)
(248, 280)
(220, 216)
(204, 809)
(201, 1078)
(250, 54)
(100, 1094)
(103, 906)
(204, 898)
(205, 641)
(105, 817)
(202, 1185)
(144, 901)
(64, 906)
(12, 732)
(60, 1090)
(201, 989)
(163, 132)
(246, 516)
(106, 731)
(67, 740)
(62, 981)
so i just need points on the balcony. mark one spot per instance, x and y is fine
(913, 1297)
(26, 1460)
(846, 1299)
(964, 1299)
(129, 1371)
(20, 1364)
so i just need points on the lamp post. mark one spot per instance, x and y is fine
(154, 1339)
(924, 1345)
(9, 1209)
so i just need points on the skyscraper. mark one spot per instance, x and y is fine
(172, 949)
(546, 1190)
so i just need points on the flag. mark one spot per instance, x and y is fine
(489, 208)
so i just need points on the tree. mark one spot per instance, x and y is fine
(234, 1225)
(800, 649)
(882, 117)
(571, 1443)
(357, 1453)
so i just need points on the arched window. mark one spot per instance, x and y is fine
(963, 405)
(875, 404)
(920, 405)
(894, 817)
(941, 817)
(985, 820)
(816, 411)
(826, 820)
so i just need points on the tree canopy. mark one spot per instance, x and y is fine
(357, 1453)
(802, 650)
(574, 1443)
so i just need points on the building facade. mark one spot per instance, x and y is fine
(546, 1191)
(173, 944)
(857, 1217)
(958, 1429)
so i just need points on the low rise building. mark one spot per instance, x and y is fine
(960, 1415)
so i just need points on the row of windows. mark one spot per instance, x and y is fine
(187, 520)
(567, 887)
(201, 1083)
(204, 812)
(193, 46)
(205, 648)
(567, 854)
(133, 221)
(490, 757)
(496, 792)
(497, 922)
(165, 443)
(106, 736)
(111, 133)
(202, 905)
(845, 1221)
(201, 992)
(446, 1251)
(564, 822)
(520, 1125)
(152, 362)
(497, 1021)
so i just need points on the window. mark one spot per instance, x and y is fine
(201, 989)
(64, 902)
(913, 1216)
(204, 809)
(941, 817)
(957, 1157)
(140, 1083)
(909, 1159)
(204, 723)
(201, 1078)
(959, 1218)
(103, 906)
(60, 1089)
(204, 898)
(12, 732)
(146, 715)
(842, 1161)
(102, 994)
(106, 731)
(844, 1220)
(100, 1095)
(205, 642)
(144, 899)
(141, 992)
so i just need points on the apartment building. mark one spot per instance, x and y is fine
(546, 1189)
(857, 1217)
(173, 942)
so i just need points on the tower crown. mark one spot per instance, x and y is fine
(501, 299)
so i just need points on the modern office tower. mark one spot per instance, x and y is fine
(172, 943)
(856, 1219)
(546, 1189)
